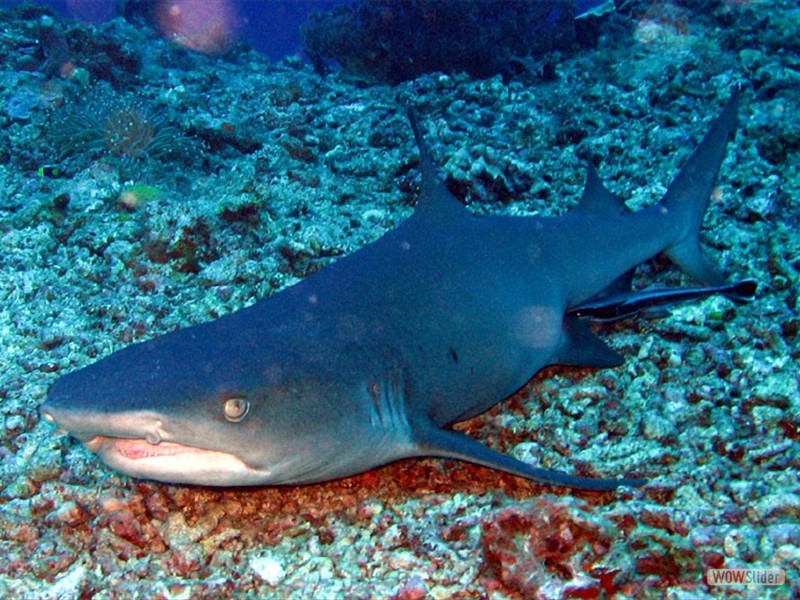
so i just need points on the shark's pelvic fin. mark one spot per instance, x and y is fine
(688, 195)
(582, 348)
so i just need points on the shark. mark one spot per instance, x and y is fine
(375, 357)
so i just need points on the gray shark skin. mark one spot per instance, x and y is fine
(369, 360)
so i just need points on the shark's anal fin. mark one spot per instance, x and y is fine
(433, 441)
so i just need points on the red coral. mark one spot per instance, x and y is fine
(524, 547)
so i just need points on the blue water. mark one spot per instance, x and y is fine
(272, 27)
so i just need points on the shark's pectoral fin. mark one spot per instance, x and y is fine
(582, 348)
(433, 441)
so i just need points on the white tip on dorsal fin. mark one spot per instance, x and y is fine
(596, 199)
(435, 200)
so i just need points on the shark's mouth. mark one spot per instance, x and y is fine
(136, 449)
(152, 457)
(171, 462)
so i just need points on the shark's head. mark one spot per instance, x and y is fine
(219, 404)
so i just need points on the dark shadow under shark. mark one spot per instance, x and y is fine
(369, 360)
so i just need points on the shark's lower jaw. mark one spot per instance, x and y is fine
(174, 463)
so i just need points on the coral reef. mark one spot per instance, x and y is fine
(121, 126)
(386, 41)
(301, 169)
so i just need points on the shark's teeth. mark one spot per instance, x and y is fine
(137, 449)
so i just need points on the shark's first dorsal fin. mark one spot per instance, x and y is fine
(596, 199)
(435, 200)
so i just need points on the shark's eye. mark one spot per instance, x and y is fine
(236, 409)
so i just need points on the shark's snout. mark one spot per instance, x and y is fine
(47, 416)
(134, 439)
(51, 412)
(71, 409)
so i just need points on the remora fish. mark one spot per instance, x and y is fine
(617, 307)
(369, 360)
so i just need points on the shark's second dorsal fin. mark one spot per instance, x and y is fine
(596, 199)
(435, 200)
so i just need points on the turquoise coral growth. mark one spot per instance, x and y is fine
(122, 127)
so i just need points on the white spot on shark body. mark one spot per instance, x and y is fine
(538, 326)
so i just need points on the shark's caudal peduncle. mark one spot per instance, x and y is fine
(371, 359)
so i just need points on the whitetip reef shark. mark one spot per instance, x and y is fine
(371, 359)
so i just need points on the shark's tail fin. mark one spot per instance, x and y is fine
(687, 196)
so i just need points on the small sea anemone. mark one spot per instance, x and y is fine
(110, 124)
